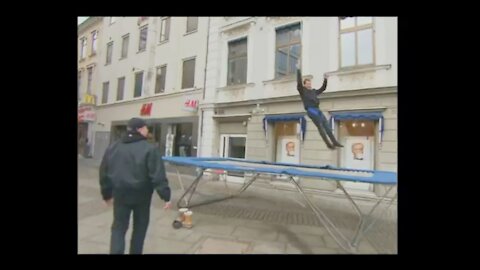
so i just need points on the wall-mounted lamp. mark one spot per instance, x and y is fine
(258, 109)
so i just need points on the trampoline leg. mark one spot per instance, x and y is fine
(191, 190)
(331, 228)
(193, 187)
(364, 228)
(246, 185)
(224, 180)
(357, 210)
(358, 234)
(179, 177)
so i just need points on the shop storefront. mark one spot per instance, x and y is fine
(282, 132)
(86, 119)
(173, 136)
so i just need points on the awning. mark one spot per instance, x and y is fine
(286, 118)
(374, 115)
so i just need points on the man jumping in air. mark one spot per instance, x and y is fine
(310, 102)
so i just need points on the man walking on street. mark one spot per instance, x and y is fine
(131, 170)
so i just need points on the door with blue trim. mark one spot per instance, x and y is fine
(358, 138)
(287, 142)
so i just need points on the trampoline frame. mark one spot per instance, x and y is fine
(349, 245)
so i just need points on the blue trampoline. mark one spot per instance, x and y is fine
(254, 169)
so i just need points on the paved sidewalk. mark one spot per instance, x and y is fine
(260, 221)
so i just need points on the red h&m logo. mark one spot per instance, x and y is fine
(191, 104)
(146, 109)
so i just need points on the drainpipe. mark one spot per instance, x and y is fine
(206, 60)
(199, 138)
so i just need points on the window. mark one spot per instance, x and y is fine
(160, 79)
(165, 29)
(120, 88)
(237, 62)
(356, 41)
(288, 50)
(83, 48)
(112, 20)
(192, 24)
(125, 40)
(138, 84)
(105, 92)
(142, 45)
(188, 73)
(233, 146)
(94, 41)
(109, 53)
(89, 82)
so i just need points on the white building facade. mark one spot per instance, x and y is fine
(153, 68)
(89, 35)
(252, 109)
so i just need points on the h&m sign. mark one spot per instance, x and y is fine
(190, 105)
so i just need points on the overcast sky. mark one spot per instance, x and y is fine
(81, 19)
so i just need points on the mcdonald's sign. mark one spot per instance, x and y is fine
(89, 99)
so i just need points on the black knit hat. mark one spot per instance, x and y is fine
(136, 123)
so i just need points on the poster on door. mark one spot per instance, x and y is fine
(288, 150)
(358, 153)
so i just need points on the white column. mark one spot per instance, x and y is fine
(223, 68)
(208, 143)
(270, 50)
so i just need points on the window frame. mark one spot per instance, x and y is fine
(183, 71)
(167, 21)
(94, 42)
(105, 92)
(89, 79)
(164, 79)
(118, 89)
(83, 48)
(236, 58)
(109, 56)
(125, 37)
(288, 45)
(355, 29)
(143, 28)
(135, 84)
(196, 27)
